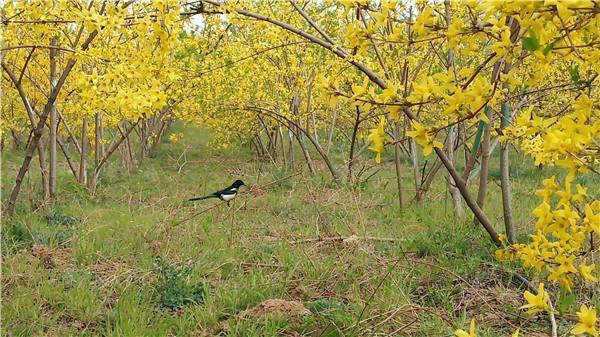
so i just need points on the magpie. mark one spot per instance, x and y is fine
(226, 194)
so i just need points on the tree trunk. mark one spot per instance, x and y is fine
(353, 144)
(454, 192)
(414, 154)
(53, 123)
(43, 168)
(505, 179)
(504, 162)
(470, 163)
(397, 153)
(453, 133)
(282, 142)
(67, 157)
(485, 164)
(99, 143)
(460, 184)
(291, 154)
(330, 138)
(424, 187)
(93, 183)
(16, 140)
(82, 178)
(305, 152)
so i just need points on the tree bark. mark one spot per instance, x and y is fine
(353, 144)
(505, 179)
(94, 179)
(485, 164)
(414, 154)
(82, 178)
(453, 132)
(53, 124)
(44, 174)
(397, 153)
(330, 138)
(504, 160)
(460, 184)
(282, 142)
(454, 192)
(99, 133)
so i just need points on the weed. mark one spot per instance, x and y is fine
(173, 290)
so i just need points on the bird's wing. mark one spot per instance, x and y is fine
(226, 191)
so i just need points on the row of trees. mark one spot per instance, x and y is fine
(327, 79)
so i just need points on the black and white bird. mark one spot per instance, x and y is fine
(226, 194)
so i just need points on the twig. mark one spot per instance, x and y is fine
(196, 214)
(342, 239)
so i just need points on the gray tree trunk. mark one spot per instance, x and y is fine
(82, 178)
(53, 124)
(398, 165)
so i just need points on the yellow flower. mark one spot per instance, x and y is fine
(471, 333)
(422, 137)
(586, 272)
(592, 220)
(377, 137)
(536, 303)
(175, 137)
(587, 321)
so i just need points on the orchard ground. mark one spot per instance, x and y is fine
(136, 259)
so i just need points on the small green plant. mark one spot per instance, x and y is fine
(55, 218)
(173, 290)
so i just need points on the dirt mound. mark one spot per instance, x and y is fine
(52, 257)
(290, 309)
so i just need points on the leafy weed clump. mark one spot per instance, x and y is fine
(173, 290)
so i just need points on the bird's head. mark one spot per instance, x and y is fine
(237, 183)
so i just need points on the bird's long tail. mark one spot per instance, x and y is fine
(202, 198)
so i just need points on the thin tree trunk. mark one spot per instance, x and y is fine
(505, 179)
(16, 140)
(308, 102)
(273, 145)
(128, 145)
(320, 150)
(305, 152)
(282, 142)
(472, 157)
(485, 164)
(99, 143)
(424, 186)
(454, 192)
(414, 154)
(43, 168)
(82, 178)
(453, 132)
(94, 179)
(486, 151)
(397, 153)
(353, 144)
(53, 124)
(504, 161)
(256, 148)
(63, 148)
(62, 120)
(460, 184)
(127, 154)
(330, 138)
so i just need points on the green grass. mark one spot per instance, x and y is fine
(87, 266)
